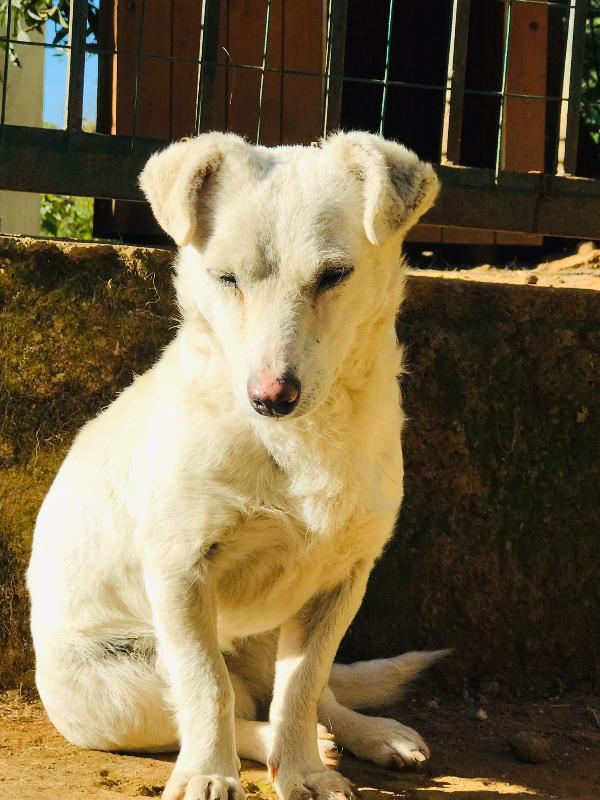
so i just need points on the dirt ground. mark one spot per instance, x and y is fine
(468, 735)
(471, 759)
(578, 271)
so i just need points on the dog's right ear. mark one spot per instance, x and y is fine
(180, 183)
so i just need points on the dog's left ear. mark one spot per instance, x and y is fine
(397, 186)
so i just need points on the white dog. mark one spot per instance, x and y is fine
(209, 537)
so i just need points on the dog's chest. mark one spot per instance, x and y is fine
(269, 568)
(288, 545)
(303, 528)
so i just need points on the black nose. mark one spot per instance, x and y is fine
(274, 397)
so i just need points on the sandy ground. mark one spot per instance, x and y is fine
(471, 759)
(579, 271)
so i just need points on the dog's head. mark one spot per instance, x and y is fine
(290, 254)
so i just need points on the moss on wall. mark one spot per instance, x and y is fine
(76, 322)
(498, 546)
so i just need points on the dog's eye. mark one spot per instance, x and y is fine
(332, 277)
(228, 279)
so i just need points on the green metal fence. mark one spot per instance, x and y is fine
(73, 161)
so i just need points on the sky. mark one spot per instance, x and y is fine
(55, 84)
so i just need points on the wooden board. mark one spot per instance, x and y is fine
(292, 105)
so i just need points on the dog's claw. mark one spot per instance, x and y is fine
(328, 750)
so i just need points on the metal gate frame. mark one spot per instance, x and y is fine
(74, 162)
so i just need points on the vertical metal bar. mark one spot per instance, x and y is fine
(263, 66)
(138, 69)
(327, 68)
(208, 64)
(76, 63)
(336, 52)
(6, 62)
(508, 18)
(568, 128)
(388, 49)
(455, 82)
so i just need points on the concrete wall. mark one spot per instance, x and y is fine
(20, 211)
(497, 552)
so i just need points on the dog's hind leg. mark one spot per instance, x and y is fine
(114, 697)
(372, 684)
(107, 696)
(383, 741)
(254, 739)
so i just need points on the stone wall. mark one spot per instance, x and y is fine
(497, 552)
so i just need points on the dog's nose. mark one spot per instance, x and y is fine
(274, 397)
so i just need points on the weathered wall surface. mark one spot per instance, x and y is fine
(497, 551)
(498, 546)
(76, 322)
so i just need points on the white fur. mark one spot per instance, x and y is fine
(183, 526)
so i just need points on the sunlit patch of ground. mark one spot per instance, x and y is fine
(450, 784)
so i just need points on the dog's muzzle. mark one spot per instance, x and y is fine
(274, 397)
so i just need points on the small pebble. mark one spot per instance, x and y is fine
(433, 704)
(481, 714)
(531, 748)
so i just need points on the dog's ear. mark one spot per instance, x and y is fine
(180, 183)
(397, 186)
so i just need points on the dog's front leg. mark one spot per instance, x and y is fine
(307, 646)
(183, 604)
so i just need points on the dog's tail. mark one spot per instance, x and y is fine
(381, 682)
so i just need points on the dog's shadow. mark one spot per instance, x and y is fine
(377, 783)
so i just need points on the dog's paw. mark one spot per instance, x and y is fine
(328, 750)
(390, 744)
(322, 785)
(202, 787)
